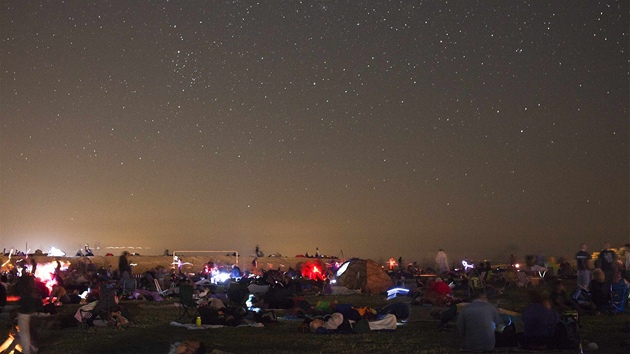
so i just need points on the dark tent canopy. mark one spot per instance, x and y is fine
(366, 275)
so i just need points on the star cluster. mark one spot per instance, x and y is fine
(377, 127)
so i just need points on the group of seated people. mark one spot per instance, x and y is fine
(594, 300)
(484, 326)
(550, 321)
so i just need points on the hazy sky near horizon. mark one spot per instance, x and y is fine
(380, 128)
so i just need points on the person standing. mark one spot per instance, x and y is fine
(583, 273)
(255, 266)
(28, 304)
(442, 262)
(124, 268)
(477, 323)
(608, 262)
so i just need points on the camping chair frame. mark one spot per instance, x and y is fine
(100, 310)
(128, 286)
(475, 284)
(619, 292)
(187, 302)
(482, 277)
(506, 279)
(159, 290)
(522, 279)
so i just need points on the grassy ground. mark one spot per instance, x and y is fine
(154, 334)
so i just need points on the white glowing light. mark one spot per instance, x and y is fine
(56, 252)
(342, 269)
(392, 293)
(466, 265)
(220, 277)
(9, 259)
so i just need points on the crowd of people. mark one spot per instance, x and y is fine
(81, 282)
(549, 321)
(552, 319)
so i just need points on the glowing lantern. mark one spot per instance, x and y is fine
(392, 263)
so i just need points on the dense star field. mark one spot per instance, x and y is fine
(380, 128)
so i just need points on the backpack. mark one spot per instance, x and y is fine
(506, 338)
(567, 335)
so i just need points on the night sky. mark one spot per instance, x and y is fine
(376, 128)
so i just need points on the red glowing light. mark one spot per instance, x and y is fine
(313, 271)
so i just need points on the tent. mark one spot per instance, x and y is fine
(366, 275)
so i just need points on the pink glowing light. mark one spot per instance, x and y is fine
(45, 272)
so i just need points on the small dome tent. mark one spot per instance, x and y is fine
(366, 275)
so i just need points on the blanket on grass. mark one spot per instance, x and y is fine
(192, 326)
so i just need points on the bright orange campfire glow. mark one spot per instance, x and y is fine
(45, 272)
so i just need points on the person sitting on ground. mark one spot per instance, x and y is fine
(327, 290)
(60, 294)
(477, 323)
(118, 320)
(95, 289)
(438, 293)
(539, 320)
(561, 300)
(600, 290)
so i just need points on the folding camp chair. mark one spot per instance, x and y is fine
(158, 288)
(619, 299)
(482, 278)
(100, 311)
(475, 284)
(128, 286)
(523, 279)
(186, 300)
(489, 277)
